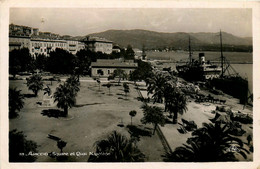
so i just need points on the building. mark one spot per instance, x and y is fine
(116, 49)
(45, 46)
(97, 44)
(45, 42)
(20, 30)
(74, 46)
(106, 67)
(19, 42)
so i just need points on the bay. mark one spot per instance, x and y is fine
(241, 62)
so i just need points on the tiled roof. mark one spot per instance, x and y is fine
(108, 63)
(96, 39)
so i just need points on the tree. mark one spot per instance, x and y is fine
(41, 62)
(20, 60)
(134, 76)
(129, 53)
(120, 74)
(47, 90)
(99, 82)
(61, 61)
(35, 83)
(16, 102)
(65, 96)
(154, 115)
(61, 144)
(175, 102)
(108, 86)
(132, 114)
(126, 88)
(211, 143)
(156, 86)
(116, 148)
(19, 147)
(74, 83)
(143, 71)
(83, 60)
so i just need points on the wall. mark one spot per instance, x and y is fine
(105, 71)
(103, 47)
(39, 46)
(19, 43)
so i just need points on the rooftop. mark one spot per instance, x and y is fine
(96, 39)
(105, 63)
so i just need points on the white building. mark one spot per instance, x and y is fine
(45, 46)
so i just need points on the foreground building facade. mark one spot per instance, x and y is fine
(106, 67)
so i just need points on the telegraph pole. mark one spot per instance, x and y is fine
(222, 57)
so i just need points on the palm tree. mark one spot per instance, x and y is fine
(154, 115)
(108, 86)
(65, 96)
(47, 90)
(19, 147)
(120, 74)
(126, 89)
(132, 114)
(175, 102)
(156, 85)
(61, 144)
(211, 143)
(35, 83)
(15, 102)
(117, 148)
(99, 82)
(74, 82)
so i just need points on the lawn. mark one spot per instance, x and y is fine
(95, 115)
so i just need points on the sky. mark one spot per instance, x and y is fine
(84, 21)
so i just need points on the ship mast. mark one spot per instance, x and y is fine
(222, 57)
(143, 52)
(190, 54)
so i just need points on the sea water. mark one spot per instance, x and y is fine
(241, 62)
(245, 71)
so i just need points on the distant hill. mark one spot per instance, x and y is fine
(179, 40)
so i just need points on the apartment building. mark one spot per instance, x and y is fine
(45, 42)
(97, 44)
(18, 42)
(45, 46)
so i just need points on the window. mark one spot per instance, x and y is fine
(108, 71)
(100, 72)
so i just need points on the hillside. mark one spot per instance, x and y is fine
(155, 40)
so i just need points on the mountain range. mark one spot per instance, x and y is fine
(179, 40)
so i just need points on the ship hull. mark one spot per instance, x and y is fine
(198, 73)
(234, 86)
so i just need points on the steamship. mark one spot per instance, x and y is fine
(195, 70)
(216, 76)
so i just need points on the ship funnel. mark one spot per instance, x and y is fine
(202, 58)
